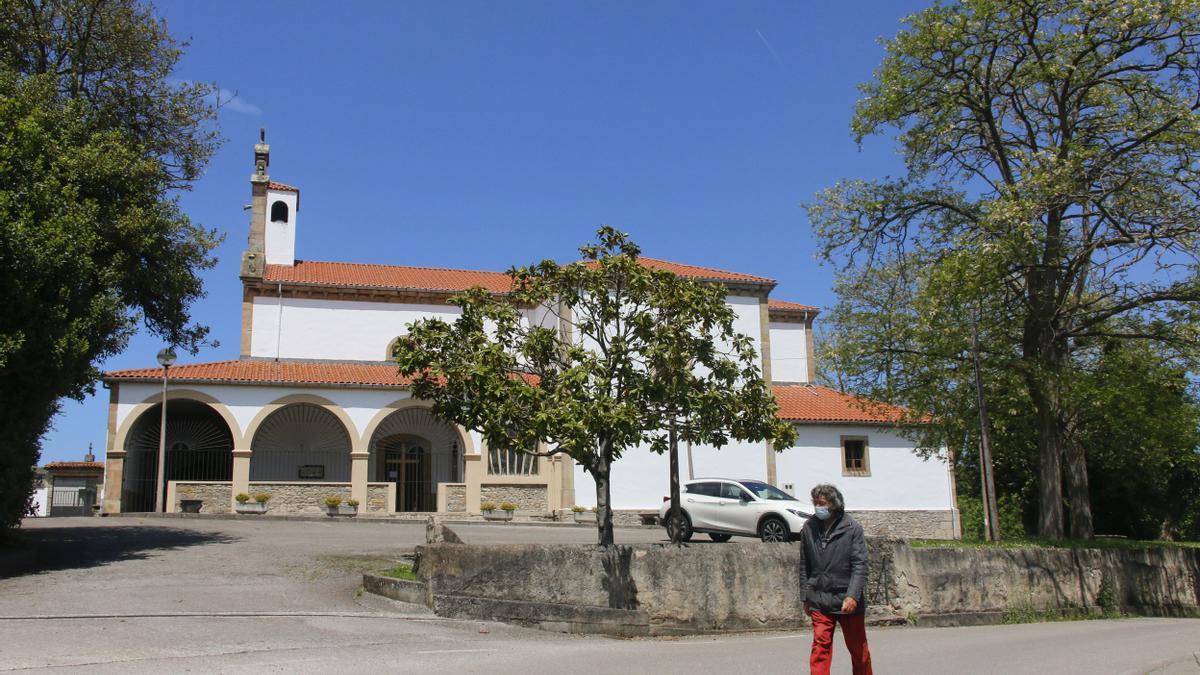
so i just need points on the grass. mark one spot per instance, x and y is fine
(401, 572)
(1035, 542)
(1027, 614)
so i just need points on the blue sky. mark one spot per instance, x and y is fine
(485, 134)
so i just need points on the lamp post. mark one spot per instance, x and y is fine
(166, 358)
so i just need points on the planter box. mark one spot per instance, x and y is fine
(586, 518)
(498, 515)
(251, 507)
(341, 510)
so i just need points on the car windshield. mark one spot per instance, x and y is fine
(764, 491)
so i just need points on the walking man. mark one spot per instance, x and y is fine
(833, 574)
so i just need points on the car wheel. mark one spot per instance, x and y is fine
(773, 530)
(719, 538)
(684, 524)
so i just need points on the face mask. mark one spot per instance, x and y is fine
(822, 512)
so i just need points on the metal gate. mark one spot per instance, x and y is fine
(70, 499)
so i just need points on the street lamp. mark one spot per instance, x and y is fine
(166, 358)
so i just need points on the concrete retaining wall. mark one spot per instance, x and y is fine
(657, 589)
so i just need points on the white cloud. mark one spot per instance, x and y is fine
(229, 100)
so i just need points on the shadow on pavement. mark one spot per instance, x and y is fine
(59, 548)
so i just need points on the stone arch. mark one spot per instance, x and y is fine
(333, 408)
(464, 438)
(123, 429)
(411, 448)
(199, 445)
(292, 437)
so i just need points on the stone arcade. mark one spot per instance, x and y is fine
(314, 408)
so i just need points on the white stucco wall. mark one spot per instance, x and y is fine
(748, 320)
(280, 244)
(899, 479)
(641, 478)
(334, 329)
(789, 352)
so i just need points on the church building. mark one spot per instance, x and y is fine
(313, 407)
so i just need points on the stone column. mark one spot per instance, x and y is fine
(241, 477)
(114, 474)
(358, 477)
(473, 469)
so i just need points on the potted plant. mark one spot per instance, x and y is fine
(581, 514)
(334, 507)
(244, 505)
(490, 513)
(507, 508)
(352, 504)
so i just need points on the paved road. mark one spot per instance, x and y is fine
(141, 595)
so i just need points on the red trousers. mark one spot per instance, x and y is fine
(854, 631)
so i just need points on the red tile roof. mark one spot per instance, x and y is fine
(800, 403)
(785, 305)
(811, 403)
(697, 272)
(59, 466)
(282, 186)
(254, 371)
(386, 276)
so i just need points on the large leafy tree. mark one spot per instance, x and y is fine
(94, 141)
(592, 359)
(1051, 151)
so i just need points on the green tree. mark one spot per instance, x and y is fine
(94, 140)
(1051, 151)
(591, 359)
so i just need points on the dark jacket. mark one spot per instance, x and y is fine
(833, 563)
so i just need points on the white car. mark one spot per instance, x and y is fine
(723, 507)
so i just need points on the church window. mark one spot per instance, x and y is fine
(508, 462)
(279, 212)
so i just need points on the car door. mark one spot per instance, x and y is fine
(737, 512)
(701, 502)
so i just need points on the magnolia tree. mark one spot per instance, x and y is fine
(627, 356)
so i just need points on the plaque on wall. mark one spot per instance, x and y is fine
(312, 472)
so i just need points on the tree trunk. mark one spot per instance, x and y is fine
(600, 471)
(1077, 491)
(673, 516)
(1050, 497)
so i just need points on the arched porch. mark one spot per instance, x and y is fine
(414, 451)
(199, 447)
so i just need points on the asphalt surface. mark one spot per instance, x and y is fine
(149, 595)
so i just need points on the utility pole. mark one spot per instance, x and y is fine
(991, 514)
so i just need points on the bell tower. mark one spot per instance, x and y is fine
(254, 259)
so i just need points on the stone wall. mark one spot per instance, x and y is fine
(656, 589)
(216, 496)
(456, 498)
(907, 524)
(295, 498)
(377, 499)
(528, 498)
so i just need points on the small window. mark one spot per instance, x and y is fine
(706, 489)
(855, 459)
(279, 212)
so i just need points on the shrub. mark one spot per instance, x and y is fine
(352, 502)
(487, 506)
(333, 501)
(262, 497)
(242, 497)
(577, 509)
(508, 506)
(970, 511)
